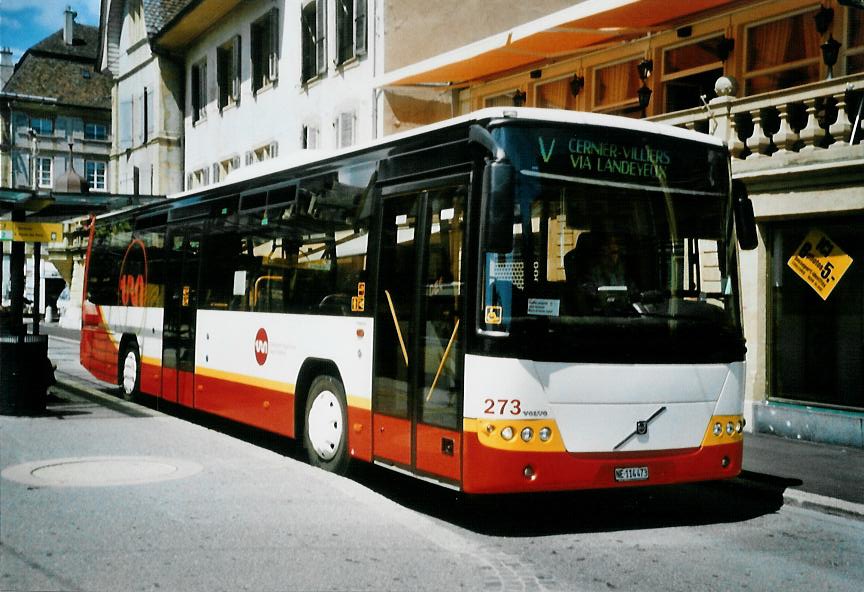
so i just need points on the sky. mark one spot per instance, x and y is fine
(24, 23)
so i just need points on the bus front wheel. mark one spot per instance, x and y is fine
(130, 372)
(325, 436)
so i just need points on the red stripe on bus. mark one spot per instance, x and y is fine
(439, 451)
(360, 433)
(264, 408)
(393, 439)
(488, 470)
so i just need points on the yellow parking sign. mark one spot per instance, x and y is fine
(30, 232)
(820, 262)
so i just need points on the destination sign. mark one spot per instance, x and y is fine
(599, 155)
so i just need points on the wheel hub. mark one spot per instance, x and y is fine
(325, 425)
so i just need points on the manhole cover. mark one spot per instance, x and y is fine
(100, 471)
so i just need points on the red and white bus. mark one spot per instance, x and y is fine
(514, 300)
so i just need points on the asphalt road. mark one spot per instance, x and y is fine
(124, 497)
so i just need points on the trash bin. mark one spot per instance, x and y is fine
(25, 374)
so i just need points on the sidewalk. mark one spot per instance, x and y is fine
(817, 476)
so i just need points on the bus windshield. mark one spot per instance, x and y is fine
(622, 245)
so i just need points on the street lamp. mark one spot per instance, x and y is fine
(645, 67)
(830, 50)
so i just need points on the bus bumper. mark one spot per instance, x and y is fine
(490, 470)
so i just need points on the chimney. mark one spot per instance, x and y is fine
(6, 66)
(69, 26)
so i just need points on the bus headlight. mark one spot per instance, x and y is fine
(527, 434)
(739, 426)
(730, 428)
(507, 433)
(544, 434)
(718, 428)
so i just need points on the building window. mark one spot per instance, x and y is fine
(310, 137)
(42, 126)
(782, 53)
(228, 72)
(350, 30)
(199, 90)
(265, 152)
(555, 95)
(345, 125)
(95, 173)
(314, 42)
(95, 131)
(816, 349)
(615, 88)
(44, 169)
(854, 41)
(689, 72)
(265, 50)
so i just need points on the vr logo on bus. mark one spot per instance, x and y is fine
(262, 345)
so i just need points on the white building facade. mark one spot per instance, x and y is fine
(272, 78)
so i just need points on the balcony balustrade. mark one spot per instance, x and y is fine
(822, 119)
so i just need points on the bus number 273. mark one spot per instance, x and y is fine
(514, 406)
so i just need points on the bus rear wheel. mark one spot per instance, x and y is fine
(325, 436)
(130, 372)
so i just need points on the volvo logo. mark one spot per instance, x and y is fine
(262, 345)
(641, 428)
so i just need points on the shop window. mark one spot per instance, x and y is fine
(782, 53)
(228, 72)
(264, 39)
(556, 95)
(615, 88)
(689, 72)
(854, 41)
(816, 344)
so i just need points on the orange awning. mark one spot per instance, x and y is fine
(582, 27)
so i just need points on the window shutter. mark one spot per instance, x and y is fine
(273, 61)
(235, 69)
(138, 114)
(321, 36)
(235, 162)
(360, 27)
(248, 158)
(202, 91)
(125, 116)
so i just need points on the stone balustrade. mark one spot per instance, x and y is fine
(809, 118)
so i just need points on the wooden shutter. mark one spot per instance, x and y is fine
(273, 50)
(235, 69)
(321, 36)
(360, 27)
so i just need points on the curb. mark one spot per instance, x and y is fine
(88, 391)
(822, 503)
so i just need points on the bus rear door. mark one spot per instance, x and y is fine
(181, 303)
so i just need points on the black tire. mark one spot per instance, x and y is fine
(325, 425)
(129, 372)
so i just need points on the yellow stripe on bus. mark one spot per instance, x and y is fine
(275, 385)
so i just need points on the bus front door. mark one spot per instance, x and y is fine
(417, 384)
(178, 335)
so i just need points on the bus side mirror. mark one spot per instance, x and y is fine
(745, 220)
(497, 220)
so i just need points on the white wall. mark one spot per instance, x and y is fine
(278, 113)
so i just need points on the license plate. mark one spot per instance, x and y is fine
(631, 473)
